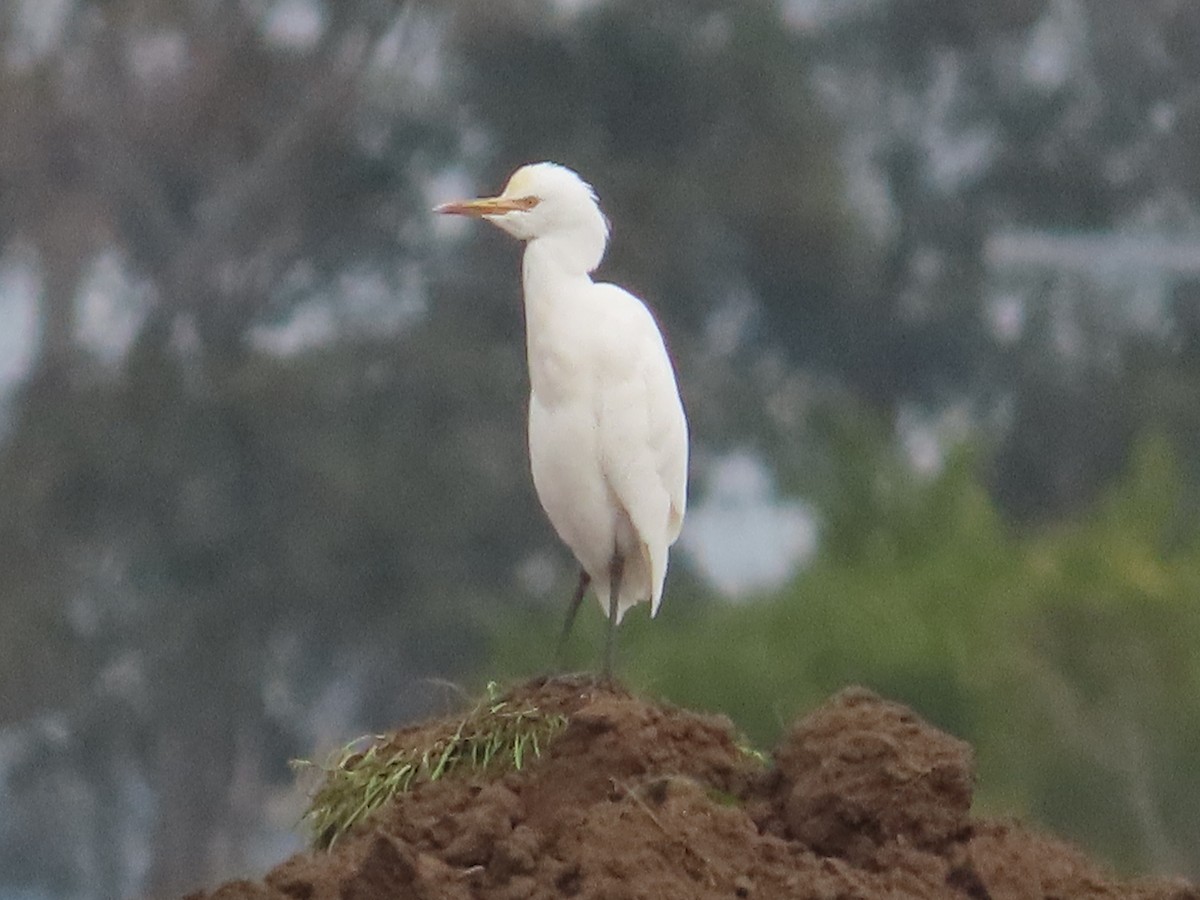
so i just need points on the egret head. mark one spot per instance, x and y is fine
(546, 200)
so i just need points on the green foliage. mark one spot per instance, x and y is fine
(1107, 659)
(497, 733)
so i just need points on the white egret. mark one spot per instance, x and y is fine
(608, 443)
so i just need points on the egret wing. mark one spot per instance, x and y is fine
(642, 431)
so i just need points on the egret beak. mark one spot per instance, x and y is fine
(487, 206)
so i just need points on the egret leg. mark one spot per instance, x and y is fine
(614, 595)
(576, 599)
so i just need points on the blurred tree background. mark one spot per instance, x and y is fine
(931, 275)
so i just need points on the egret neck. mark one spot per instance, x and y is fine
(555, 269)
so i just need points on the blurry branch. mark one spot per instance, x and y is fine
(1135, 759)
(1114, 740)
(218, 258)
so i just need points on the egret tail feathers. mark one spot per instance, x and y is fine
(638, 585)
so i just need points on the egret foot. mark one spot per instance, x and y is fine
(592, 683)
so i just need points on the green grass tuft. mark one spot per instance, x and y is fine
(497, 733)
(748, 750)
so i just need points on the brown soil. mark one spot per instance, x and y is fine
(641, 800)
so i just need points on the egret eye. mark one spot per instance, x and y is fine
(526, 203)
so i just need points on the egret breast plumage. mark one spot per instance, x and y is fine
(608, 438)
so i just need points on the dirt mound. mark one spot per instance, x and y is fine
(639, 800)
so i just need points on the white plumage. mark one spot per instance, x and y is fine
(608, 441)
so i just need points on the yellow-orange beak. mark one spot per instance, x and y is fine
(486, 206)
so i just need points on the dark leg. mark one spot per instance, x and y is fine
(577, 598)
(614, 594)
